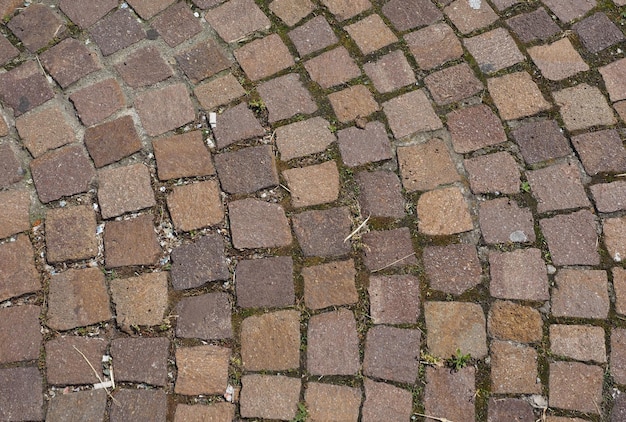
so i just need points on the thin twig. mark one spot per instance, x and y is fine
(394, 262)
(95, 373)
(433, 418)
(355, 231)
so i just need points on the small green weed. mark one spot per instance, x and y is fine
(302, 413)
(525, 187)
(459, 360)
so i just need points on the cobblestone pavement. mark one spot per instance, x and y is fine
(402, 208)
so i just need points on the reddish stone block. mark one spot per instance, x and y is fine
(333, 344)
(206, 317)
(516, 95)
(411, 113)
(608, 197)
(572, 239)
(558, 60)
(580, 342)
(345, 10)
(265, 282)
(583, 107)
(124, 189)
(141, 359)
(84, 405)
(513, 369)
(117, 31)
(7, 51)
(434, 45)
(164, 109)
(468, 19)
(303, 138)
(271, 341)
(264, 57)
(443, 212)
(24, 88)
(177, 24)
(236, 124)
(601, 151)
(312, 36)
(567, 11)
(219, 91)
(557, 187)
(322, 233)
(247, 233)
(202, 61)
(371, 34)
(392, 353)
(520, 274)
(426, 166)
(332, 68)
(385, 402)
(144, 67)
(541, 141)
(406, 14)
(139, 301)
(140, 405)
(45, 129)
(575, 386)
(65, 365)
(394, 299)
(474, 127)
(390, 72)
(25, 321)
(247, 170)
(237, 19)
(580, 294)
(494, 50)
(327, 402)
(71, 234)
(182, 155)
(533, 26)
(352, 103)
(269, 396)
(98, 101)
(291, 11)
(196, 205)
(614, 230)
(452, 269)
(19, 275)
(11, 170)
(388, 248)
(69, 61)
(36, 26)
(502, 221)
(21, 395)
(450, 394)
(149, 8)
(503, 410)
(85, 13)
(219, 411)
(597, 32)
(380, 194)
(363, 146)
(614, 75)
(453, 84)
(14, 212)
(131, 242)
(313, 185)
(112, 141)
(619, 287)
(453, 326)
(493, 173)
(286, 97)
(199, 262)
(618, 353)
(331, 284)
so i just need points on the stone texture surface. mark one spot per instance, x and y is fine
(11, 170)
(117, 31)
(388, 248)
(291, 12)
(265, 282)
(526, 101)
(331, 284)
(69, 61)
(533, 26)
(14, 212)
(322, 233)
(198, 262)
(618, 353)
(450, 394)
(426, 166)
(494, 50)
(244, 215)
(218, 91)
(236, 124)
(359, 146)
(572, 239)
(131, 242)
(613, 75)
(406, 15)
(580, 293)
(434, 45)
(176, 24)
(601, 151)
(264, 57)
(384, 401)
(352, 103)
(597, 32)
(21, 395)
(583, 106)
(39, 138)
(394, 299)
(303, 138)
(558, 60)
(614, 230)
(202, 61)
(271, 341)
(140, 300)
(234, 20)
(140, 405)
(453, 84)
(312, 36)
(332, 402)
(24, 88)
(370, 33)
(85, 13)
(112, 141)
(124, 189)
(468, 19)
(473, 128)
(391, 72)
(453, 268)
(514, 322)
(196, 205)
(164, 109)
(202, 370)
(443, 212)
(182, 156)
(403, 122)
(513, 368)
(36, 26)
(501, 410)
(18, 274)
(286, 97)
(502, 220)
(26, 346)
(64, 363)
(520, 274)
(247, 170)
(71, 234)
(98, 101)
(141, 359)
(392, 353)
(580, 342)
(380, 194)
(540, 141)
(218, 412)
(269, 396)
(332, 68)
(575, 386)
(332, 344)
(206, 317)
(82, 405)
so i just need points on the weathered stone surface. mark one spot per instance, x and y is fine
(474, 127)
(218, 412)
(141, 359)
(202, 370)
(346, 9)
(443, 212)
(520, 274)
(7, 51)
(468, 19)
(332, 344)
(370, 33)
(303, 138)
(380, 194)
(502, 221)
(164, 109)
(286, 97)
(513, 368)
(45, 129)
(426, 166)
(98, 101)
(385, 402)
(139, 405)
(494, 50)
(353, 102)
(597, 32)
(206, 317)
(21, 395)
(18, 274)
(24, 346)
(65, 365)
(453, 268)
(195, 205)
(332, 68)
(131, 242)
(265, 282)
(291, 11)
(149, 8)
(453, 84)
(202, 61)
(583, 106)
(434, 45)
(312, 36)
(85, 13)
(581, 294)
(510, 321)
(533, 26)
(176, 24)
(271, 341)
(331, 284)
(244, 216)
(363, 146)
(558, 60)
(411, 113)
(247, 170)
(68, 61)
(236, 19)
(618, 352)
(144, 67)
(388, 248)
(541, 140)
(236, 124)
(269, 396)
(613, 75)
(14, 212)
(575, 386)
(503, 410)
(112, 141)
(124, 189)
(572, 239)
(450, 394)
(516, 95)
(322, 233)
(83, 405)
(619, 409)
(24, 88)
(11, 170)
(332, 402)
(117, 31)
(405, 14)
(36, 26)
(567, 11)
(394, 299)
(614, 230)
(601, 151)
(392, 353)
(198, 262)
(218, 91)
(390, 72)
(455, 325)
(140, 301)
(580, 342)
(71, 234)
(264, 57)
(182, 155)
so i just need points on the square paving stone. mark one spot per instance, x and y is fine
(455, 325)
(380, 194)
(322, 233)
(218, 411)
(286, 97)
(117, 31)
(474, 127)
(202, 370)
(202, 61)
(14, 212)
(11, 170)
(516, 95)
(45, 129)
(392, 354)
(345, 10)
(206, 317)
(601, 151)
(7, 51)
(247, 170)
(406, 14)
(533, 26)
(176, 24)
(265, 282)
(140, 301)
(25, 321)
(199, 262)
(124, 189)
(271, 341)
(352, 103)
(291, 11)
(443, 212)
(572, 239)
(36, 26)
(247, 233)
(363, 146)
(312, 36)
(112, 141)
(98, 101)
(86, 405)
(144, 67)
(580, 294)
(619, 287)
(583, 106)
(77, 298)
(388, 248)
(303, 138)
(580, 342)
(608, 197)
(149, 8)
(468, 19)
(385, 402)
(493, 173)
(558, 60)
(426, 166)
(597, 32)
(237, 19)
(269, 396)
(264, 57)
(85, 13)
(218, 91)
(142, 360)
(394, 299)
(24, 88)
(71, 234)
(333, 344)
(139, 405)
(65, 365)
(331, 284)
(453, 84)
(332, 68)
(520, 274)
(411, 113)
(131, 242)
(614, 75)
(390, 72)
(450, 394)
(514, 322)
(371, 33)
(69, 60)
(195, 206)
(182, 155)
(618, 352)
(502, 221)
(513, 369)
(21, 395)
(614, 230)
(568, 10)
(576, 386)
(313, 185)
(18, 274)
(332, 402)
(541, 141)
(494, 50)
(164, 109)
(434, 45)
(452, 269)
(557, 187)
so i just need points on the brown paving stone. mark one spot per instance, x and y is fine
(362, 146)
(206, 317)
(619, 287)
(25, 321)
(11, 170)
(331, 284)
(21, 395)
(557, 187)
(619, 409)
(8, 7)
(269, 396)
(265, 282)
(332, 68)
(236, 124)
(247, 170)
(394, 299)
(98, 101)
(502, 221)
(7, 51)
(112, 141)
(149, 8)
(65, 365)
(380, 194)
(18, 274)
(312, 36)
(39, 137)
(540, 141)
(388, 248)
(177, 24)
(511, 409)
(450, 394)
(124, 189)
(4, 129)
(601, 151)
(371, 34)
(533, 26)
(131, 242)
(141, 359)
(313, 185)
(618, 353)
(332, 344)
(286, 97)
(332, 402)
(453, 84)
(291, 11)
(236, 19)
(85, 13)
(411, 113)
(443, 212)
(36, 26)
(140, 301)
(139, 405)
(218, 412)
(202, 370)
(614, 230)
(199, 262)
(510, 321)
(81, 405)
(527, 100)
(71, 234)
(303, 138)
(493, 173)
(580, 293)
(597, 32)
(264, 57)
(558, 60)
(205, 4)
(68, 61)
(520, 274)
(182, 155)
(575, 386)
(353, 102)
(453, 268)
(426, 166)
(271, 341)
(434, 45)
(467, 19)
(219, 91)
(164, 109)
(513, 368)
(614, 75)
(390, 72)
(583, 106)
(474, 127)
(406, 14)
(144, 67)
(14, 212)
(392, 353)
(346, 9)
(580, 342)
(494, 50)
(608, 197)
(244, 216)
(567, 11)
(455, 325)
(385, 402)
(24, 88)
(322, 233)
(202, 61)
(572, 238)
(117, 31)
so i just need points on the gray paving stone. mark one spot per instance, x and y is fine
(82, 405)
(199, 262)
(25, 321)
(332, 344)
(141, 359)
(392, 353)
(206, 317)
(21, 395)
(139, 405)
(265, 282)
(450, 394)
(453, 268)
(247, 170)
(322, 233)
